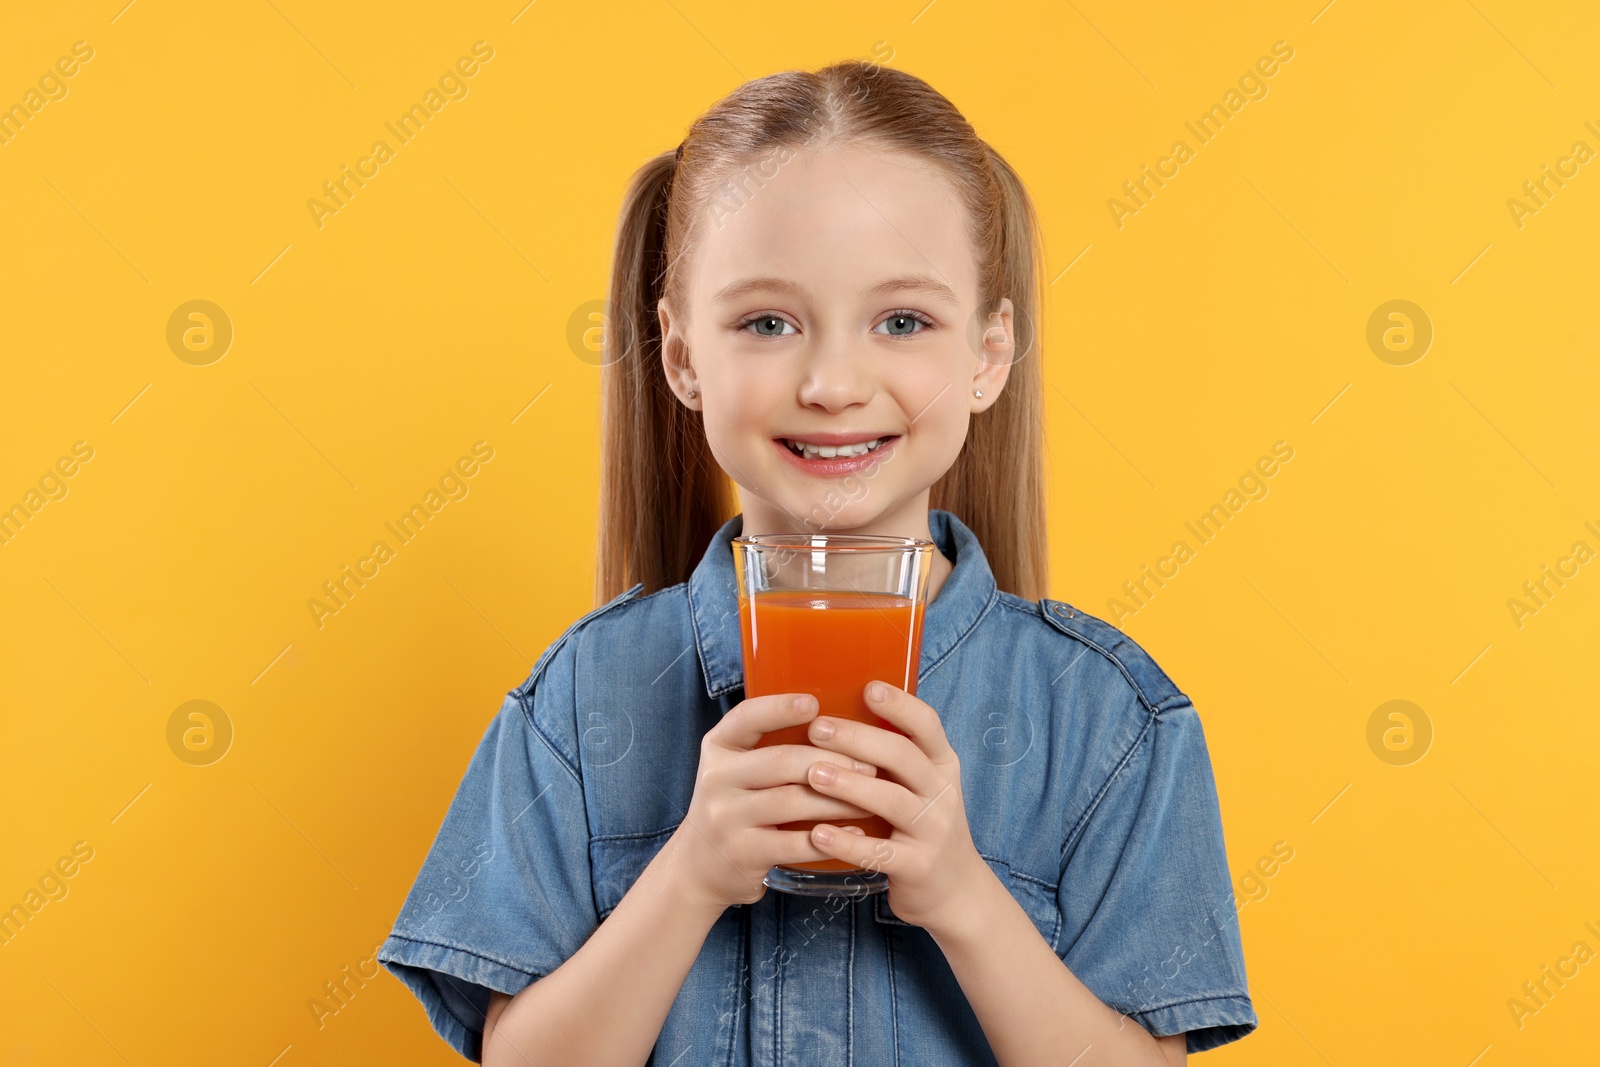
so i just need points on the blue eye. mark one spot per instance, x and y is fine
(769, 321)
(905, 317)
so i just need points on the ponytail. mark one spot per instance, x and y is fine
(662, 495)
(996, 485)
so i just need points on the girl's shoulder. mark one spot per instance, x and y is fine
(579, 628)
(612, 644)
(1056, 621)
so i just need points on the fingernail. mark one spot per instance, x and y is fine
(878, 692)
(863, 768)
(823, 773)
(858, 831)
(822, 729)
(822, 834)
(805, 703)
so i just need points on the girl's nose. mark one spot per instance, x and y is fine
(836, 376)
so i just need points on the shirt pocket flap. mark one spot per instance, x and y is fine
(1038, 901)
(617, 862)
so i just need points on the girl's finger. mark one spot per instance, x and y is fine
(791, 846)
(858, 850)
(891, 800)
(896, 754)
(795, 803)
(762, 768)
(741, 728)
(918, 721)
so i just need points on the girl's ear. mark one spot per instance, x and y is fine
(675, 358)
(997, 350)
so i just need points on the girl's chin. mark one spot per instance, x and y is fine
(858, 508)
(815, 513)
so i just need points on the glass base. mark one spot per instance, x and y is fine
(804, 883)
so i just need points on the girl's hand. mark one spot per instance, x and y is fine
(729, 838)
(932, 865)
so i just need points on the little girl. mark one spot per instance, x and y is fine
(829, 260)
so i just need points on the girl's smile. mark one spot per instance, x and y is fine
(833, 455)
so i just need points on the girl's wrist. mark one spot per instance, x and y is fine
(968, 912)
(679, 883)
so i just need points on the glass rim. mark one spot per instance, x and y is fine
(839, 542)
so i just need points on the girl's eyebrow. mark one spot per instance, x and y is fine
(912, 283)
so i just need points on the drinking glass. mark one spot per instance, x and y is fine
(825, 614)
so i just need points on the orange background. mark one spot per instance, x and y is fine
(432, 311)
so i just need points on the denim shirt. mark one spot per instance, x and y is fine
(1088, 790)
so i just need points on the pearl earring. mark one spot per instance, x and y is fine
(693, 394)
(978, 394)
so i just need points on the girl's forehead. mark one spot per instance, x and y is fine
(838, 220)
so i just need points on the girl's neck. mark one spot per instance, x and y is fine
(937, 573)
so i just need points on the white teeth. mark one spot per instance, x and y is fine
(831, 451)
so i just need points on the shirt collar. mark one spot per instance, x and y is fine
(967, 594)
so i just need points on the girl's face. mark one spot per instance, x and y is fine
(835, 303)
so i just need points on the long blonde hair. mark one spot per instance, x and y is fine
(662, 494)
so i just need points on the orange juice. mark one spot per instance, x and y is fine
(829, 643)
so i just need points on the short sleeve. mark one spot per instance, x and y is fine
(504, 896)
(1146, 887)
